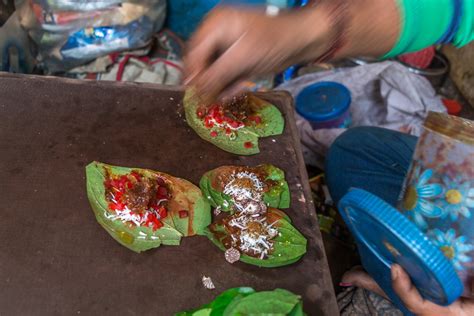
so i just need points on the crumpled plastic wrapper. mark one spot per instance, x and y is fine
(71, 33)
(383, 94)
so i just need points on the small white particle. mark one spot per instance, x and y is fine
(207, 282)
(171, 98)
(274, 140)
(302, 198)
(232, 255)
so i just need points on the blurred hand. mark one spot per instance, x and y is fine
(409, 294)
(232, 45)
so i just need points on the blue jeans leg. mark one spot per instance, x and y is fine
(369, 158)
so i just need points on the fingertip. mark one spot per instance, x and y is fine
(189, 78)
(395, 271)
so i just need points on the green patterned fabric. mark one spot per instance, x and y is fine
(426, 22)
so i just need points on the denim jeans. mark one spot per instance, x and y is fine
(369, 158)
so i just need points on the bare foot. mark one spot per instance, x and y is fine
(359, 278)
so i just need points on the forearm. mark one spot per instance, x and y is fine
(234, 44)
(369, 27)
(388, 28)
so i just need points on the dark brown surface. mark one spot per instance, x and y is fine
(55, 259)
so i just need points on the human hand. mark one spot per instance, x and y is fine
(232, 45)
(409, 295)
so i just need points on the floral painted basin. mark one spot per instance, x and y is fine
(438, 194)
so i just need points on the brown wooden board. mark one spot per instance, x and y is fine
(55, 259)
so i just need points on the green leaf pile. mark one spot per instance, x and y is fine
(213, 182)
(272, 123)
(185, 195)
(289, 246)
(246, 301)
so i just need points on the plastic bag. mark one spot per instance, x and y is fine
(384, 94)
(71, 33)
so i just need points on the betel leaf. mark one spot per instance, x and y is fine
(213, 182)
(289, 246)
(220, 303)
(275, 303)
(246, 301)
(246, 141)
(185, 196)
(298, 310)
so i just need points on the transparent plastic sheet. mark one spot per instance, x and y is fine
(71, 33)
(78, 5)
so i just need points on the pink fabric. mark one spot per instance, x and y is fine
(421, 59)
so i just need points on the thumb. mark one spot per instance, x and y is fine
(406, 291)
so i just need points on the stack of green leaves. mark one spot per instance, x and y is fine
(246, 301)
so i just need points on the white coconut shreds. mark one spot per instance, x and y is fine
(247, 200)
(126, 215)
(217, 211)
(255, 233)
(249, 240)
(225, 125)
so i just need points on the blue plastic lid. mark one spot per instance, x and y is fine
(323, 101)
(384, 236)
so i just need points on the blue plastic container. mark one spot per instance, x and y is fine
(384, 236)
(325, 105)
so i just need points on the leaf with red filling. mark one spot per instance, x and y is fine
(238, 135)
(165, 225)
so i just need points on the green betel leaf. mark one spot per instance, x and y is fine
(245, 301)
(274, 123)
(298, 310)
(244, 140)
(220, 303)
(277, 192)
(288, 246)
(188, 212)
(277, 302)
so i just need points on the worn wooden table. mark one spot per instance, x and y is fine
(54, 257)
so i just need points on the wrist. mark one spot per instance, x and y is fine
(354, 28)
(313, 32)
